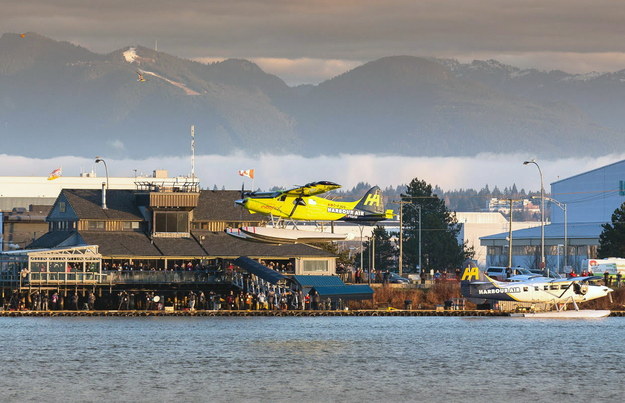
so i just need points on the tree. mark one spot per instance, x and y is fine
(612, 238)
(440, 249)
(385, 251)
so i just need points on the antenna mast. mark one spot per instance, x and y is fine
(193, 151)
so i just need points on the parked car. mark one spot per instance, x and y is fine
(397, 279)
(500, 273)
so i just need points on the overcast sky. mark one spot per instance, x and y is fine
(348, 170)
(306, 41)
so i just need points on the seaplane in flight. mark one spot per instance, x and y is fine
(476, 286)
(302, 204)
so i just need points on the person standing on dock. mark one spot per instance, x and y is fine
(75, 301)
(91, 301)
(192, 298)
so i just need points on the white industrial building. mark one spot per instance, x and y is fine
(589, 200)
(22, 191)
(477, 225)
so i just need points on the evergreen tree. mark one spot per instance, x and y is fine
(385, 251)
(439, 230)
(612, 238)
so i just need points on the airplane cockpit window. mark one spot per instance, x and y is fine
(577, 288)
(282, 198)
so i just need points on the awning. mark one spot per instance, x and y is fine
(345, 292)
(259, 270)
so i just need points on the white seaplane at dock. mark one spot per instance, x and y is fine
(479, 288)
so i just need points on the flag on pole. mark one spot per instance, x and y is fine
(55, 174)
(247, 172)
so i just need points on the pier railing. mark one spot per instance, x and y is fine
(115, 277)
(164, 277)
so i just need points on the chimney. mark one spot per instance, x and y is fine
(104, 195)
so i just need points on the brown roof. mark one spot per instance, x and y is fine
(121, 243)
(50, 240)
(218, 205)
(220, 244)
(179, 247)
(87, 203)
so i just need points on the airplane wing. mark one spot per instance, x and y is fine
(586, 278)
(311, 189)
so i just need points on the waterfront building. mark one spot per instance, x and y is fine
(162, 237)
(589, 200)
(26, 200)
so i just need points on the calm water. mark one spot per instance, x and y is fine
(312, 359)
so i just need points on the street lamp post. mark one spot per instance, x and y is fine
(542, 216)
(97, 160)
(100, 159)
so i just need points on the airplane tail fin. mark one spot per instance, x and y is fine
(472, 274)
(372, 201)
(472, 280)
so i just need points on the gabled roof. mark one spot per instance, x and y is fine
(222, 245)
(121, 243)
(219, 205)
(50, 240)
(179, 246)
(87, 204)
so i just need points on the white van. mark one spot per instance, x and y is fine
(499, 272)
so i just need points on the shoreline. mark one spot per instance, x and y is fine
(268, 313)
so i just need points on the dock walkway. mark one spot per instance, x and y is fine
(243, 313)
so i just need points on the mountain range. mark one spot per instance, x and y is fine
(57, 98)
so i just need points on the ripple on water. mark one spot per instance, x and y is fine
(317, 359)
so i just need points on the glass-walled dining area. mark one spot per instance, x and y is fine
(81, 265)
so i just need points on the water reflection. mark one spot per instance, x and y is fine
(316, 359)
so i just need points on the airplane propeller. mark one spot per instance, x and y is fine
(299, 201)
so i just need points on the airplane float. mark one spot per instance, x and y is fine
(476, 286)
(303, 204)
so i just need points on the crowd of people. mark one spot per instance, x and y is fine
(149, 300)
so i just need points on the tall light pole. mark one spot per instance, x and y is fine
(542, 216)
(563, 207)
(401, 240)
(100, 159)
(401, 228)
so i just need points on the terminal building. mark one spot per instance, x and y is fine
(582, 203)
(164, 236)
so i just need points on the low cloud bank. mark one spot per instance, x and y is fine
(348, 170)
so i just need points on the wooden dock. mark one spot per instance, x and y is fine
(267, 313)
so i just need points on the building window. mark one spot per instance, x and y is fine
(315, 266)
(95, 225)
(62, 207)
(171, 221)
(130, 225)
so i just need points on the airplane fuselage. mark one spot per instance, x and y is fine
(309, 208)
(536, 291)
